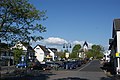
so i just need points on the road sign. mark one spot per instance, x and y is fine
(117, 54)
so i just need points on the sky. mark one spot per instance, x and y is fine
(76, 21)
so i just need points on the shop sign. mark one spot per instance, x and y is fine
(117, 54)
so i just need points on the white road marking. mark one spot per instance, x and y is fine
(85, 66)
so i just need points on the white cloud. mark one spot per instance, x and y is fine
(78, 42)
(55, 41)
(81, 43)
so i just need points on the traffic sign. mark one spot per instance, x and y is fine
(117, 54)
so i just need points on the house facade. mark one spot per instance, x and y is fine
(28, 51)
(114, 47)
(85, 46)
(83, 50)
(45, 54)
(42, 53)
(6, 55)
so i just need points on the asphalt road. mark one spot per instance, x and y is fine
(90, 71)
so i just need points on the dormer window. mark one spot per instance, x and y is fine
(37, 48)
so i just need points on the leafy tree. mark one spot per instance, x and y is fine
(17, 54)
(61, 54)
(90, 53)
(75, 51)
(19, 21)
(96, 51)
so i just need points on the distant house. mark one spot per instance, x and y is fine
(85, 46)
(53, 53)
(42, 53)
(28, 51)
(6, 55)
(107, 56)
(83, 50)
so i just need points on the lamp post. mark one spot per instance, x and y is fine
(67, 46)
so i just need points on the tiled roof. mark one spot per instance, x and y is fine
(43, 48)
(53, 49)
(85, 44)
(117, 24)
(116, 27)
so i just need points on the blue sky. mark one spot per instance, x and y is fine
(78, 20)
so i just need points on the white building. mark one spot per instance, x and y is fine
(107, 56)
(42, 53)
(85, 46)
(115, 46)
(28, 51)
(52, 54)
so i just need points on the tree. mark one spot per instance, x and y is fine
(19, 21)
(61, 54)
(75, 51)
(17, 54)
(96, 51)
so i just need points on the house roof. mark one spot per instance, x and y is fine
(29, 48)
(43, 48)
(116, 27)
(110, 41)
(117, 24)
(4, 47)
(26, 44)
(85, 44)
(53, 49)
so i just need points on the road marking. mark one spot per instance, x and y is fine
(85, 66)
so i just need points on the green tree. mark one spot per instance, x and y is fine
(61, 54)
(19, 20)
(17, 54)
(96, 51)
(75, 51)
(90, 53)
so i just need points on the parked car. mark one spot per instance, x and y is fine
(70, 65)
(79, 63)
(53, 65)
(39, 66)
(21, 64)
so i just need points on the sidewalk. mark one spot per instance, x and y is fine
(7, 69)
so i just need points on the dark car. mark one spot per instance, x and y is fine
(39, 66)
(69, 65)
(53, 65)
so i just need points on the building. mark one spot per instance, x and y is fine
(42, 53)
(114, 43)
(28, 51)
(83, 50)
(53, 54)
(85, 46)
(6, 55)
(106, 57)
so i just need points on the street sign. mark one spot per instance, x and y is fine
(117, 54)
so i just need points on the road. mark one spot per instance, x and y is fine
(90, 71)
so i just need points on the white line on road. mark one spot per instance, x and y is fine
(85, 66)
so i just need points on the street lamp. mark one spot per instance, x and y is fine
(67, 46)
